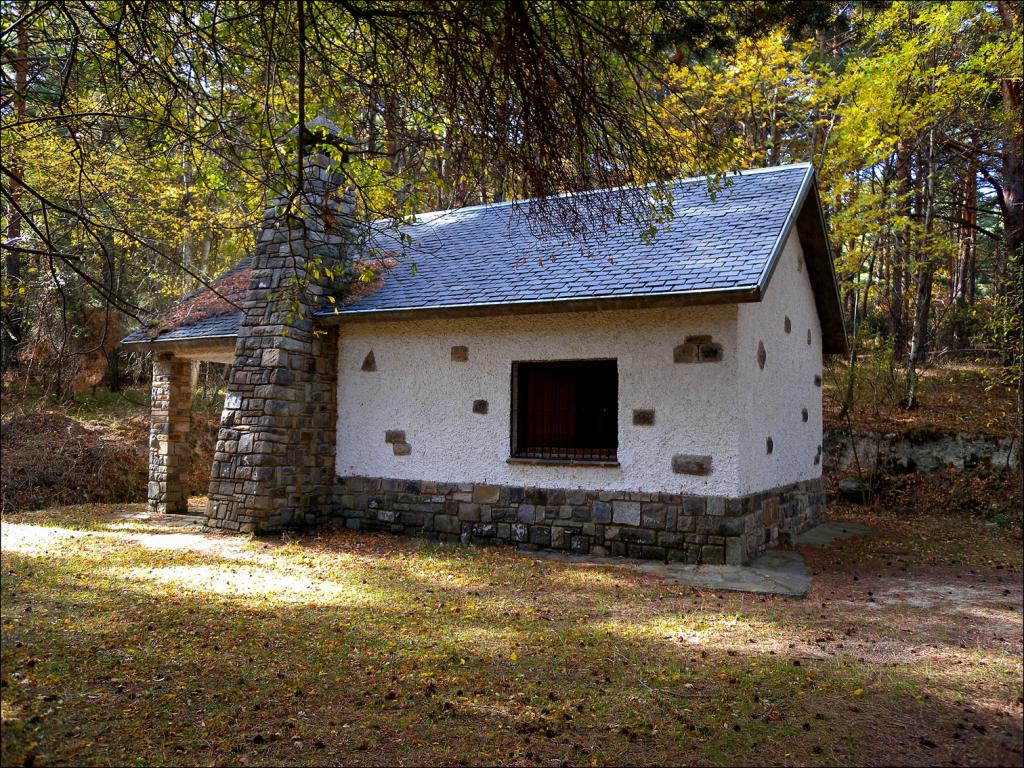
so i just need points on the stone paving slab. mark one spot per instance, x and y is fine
(778, 572)
(175, 520)
(823, 535)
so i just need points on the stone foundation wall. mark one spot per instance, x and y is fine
(658, 526)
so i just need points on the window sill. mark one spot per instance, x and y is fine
(563, 462)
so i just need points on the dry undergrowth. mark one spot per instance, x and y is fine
(50, 458)
(952, 398)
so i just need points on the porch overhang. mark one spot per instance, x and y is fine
(210, 350)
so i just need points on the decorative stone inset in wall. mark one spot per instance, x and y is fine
(697, 349)
(710, 353)
(803, 414)
(817, 380)
(808, 337)
(369, 362)
(769, 445)
(684, 464)
(788, 324)
(401, 449)
(643, 417)
(460, 354)
(394, 436)
(480, 406)
(762, 356)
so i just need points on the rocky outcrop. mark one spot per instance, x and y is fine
(923, 452)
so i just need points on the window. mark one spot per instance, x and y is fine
(566, 410)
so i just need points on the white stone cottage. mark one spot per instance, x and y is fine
(658, 400)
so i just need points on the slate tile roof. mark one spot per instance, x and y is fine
(202, 314)
(486, 254)
(213, 327)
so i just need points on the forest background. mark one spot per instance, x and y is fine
(142, 142)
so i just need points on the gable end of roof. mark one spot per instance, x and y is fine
(810, 226)
(809, 218)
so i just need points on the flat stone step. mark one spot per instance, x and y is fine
(777, 572)
(823, 535)
(175, 519)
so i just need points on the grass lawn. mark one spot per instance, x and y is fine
(134, 641)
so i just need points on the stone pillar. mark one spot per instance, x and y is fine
(274, 461)
(170, 419)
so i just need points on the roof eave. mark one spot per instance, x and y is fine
(744, 294)
(181, 344)
(830, 309)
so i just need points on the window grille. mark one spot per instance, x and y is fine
(565, 410)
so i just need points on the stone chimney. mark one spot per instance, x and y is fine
(274, 461)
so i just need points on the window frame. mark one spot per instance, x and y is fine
(608, 456)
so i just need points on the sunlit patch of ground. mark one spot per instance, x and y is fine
(137, 639)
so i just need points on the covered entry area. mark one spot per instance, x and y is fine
(177, 353)
(202, 328)
(171, 419)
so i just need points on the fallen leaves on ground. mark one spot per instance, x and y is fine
(127, 638)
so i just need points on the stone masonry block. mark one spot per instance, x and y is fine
(601, 512)
(697, 349)
(486, 494)
(643, 417)
(626, 513)
(686, 464)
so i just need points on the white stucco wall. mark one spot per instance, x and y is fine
(417, 388)
(725, 410)
(771, 399)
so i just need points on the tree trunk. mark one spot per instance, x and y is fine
(1013, 152)
(108, 342)
(1013, 207)
(1013, 174)
(897, 305)
(12, 326)
(922, 314)
(962, 272)
(924, 204)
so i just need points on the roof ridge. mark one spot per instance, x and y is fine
(567, 195)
